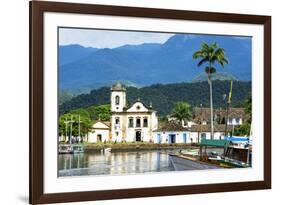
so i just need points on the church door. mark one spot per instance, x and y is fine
(138, 136)
(99, 138)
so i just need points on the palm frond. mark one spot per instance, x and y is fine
(202, 61)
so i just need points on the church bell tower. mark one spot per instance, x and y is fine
(118, 98)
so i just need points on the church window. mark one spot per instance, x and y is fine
(117, 100)
(138, 124)
(117, 120)
(131, 122)
(145, 122)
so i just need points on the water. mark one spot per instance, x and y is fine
(115, 163)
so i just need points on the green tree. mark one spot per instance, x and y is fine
(69, 124)
(242, 130)
(100, 112)
(210, 54)
(181, 111)
(245, 128)
(248, 107)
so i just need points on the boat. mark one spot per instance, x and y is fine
(78, 149)
(106, 150)
(227, 162)
(70, 149)
(183, 162)
(236, 155)
(65, 149)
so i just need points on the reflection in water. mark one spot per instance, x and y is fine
(114, 163)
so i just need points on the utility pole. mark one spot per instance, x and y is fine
(70, 137)
(66, 123)
(79, 127)
(201, 120)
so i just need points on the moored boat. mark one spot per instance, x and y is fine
(234, 156)
(106, 150)
(65, 149)
(70, 149)
(78, 149)
(227, 162)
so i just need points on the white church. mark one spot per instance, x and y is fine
(131, 124)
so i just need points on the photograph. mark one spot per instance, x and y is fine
(143, 102)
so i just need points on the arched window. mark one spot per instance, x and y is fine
(138, 122)
(117, 100)
(131, 122)
(145, 122)
(117, 120)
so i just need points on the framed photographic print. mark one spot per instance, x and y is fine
(138, 102)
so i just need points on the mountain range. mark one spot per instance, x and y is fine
(83, 68)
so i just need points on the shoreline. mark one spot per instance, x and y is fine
(135, 147)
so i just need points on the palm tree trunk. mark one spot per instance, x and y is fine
(211, 106)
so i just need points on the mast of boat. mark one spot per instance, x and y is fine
(227, 107)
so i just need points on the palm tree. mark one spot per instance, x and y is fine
(181, 111)
(210, 54)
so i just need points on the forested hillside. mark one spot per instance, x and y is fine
(164, 96)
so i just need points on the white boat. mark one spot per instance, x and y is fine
(65, 149)
(106, 150)
(70, 149)
(78, 149)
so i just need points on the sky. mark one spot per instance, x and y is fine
(103, 38)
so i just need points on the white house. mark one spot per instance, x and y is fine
(133, 123)
(197, 132)
(100, 132)
(171, 133)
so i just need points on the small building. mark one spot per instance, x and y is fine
(236, 116)
(203, 131)
(171, 132)
(100, 132)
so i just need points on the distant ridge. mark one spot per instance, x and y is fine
(73, 52)
(216, 76)
(149, 63)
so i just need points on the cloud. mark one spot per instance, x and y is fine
(108, 38)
